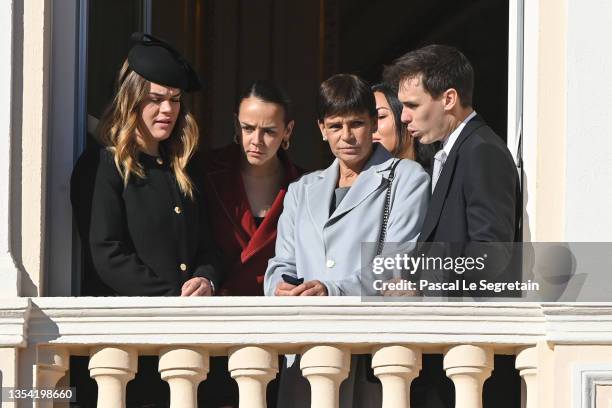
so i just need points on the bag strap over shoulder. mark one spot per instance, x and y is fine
(386, 210)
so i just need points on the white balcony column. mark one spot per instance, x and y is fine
(527, 364)
(252, 368)
(112, 367)
(184, 368)
(325, 367)
(468, 366)
(52, 364)
(396, 367)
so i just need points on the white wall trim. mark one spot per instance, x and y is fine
(515, 77)
(530, 112)
(586, 378)
(9, 273)
(14, 316)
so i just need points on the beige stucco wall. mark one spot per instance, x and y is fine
(36, 72)
(551, 137)
(566, 361)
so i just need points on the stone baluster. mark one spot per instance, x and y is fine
(527, 364)
(184, 368)
(396, 367)
(51, 364)
(252, 368)
(468, 367)
(112, 367)
(325, 367)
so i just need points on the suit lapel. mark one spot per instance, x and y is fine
(267, 230)
(446, 177)
(233, 200)
(367, 183)
(318, 195)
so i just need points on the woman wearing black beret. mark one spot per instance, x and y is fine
(141, 219)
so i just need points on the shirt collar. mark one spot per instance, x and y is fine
(452, 138)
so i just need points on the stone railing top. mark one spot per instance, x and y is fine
(291, 323)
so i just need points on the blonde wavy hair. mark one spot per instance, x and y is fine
(118, 126)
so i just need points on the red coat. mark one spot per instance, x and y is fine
(246, 248)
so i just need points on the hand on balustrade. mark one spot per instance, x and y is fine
(400, 292)
(197, 287)
(284, 289)
(308, 288)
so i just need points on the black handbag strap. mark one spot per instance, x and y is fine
(386, 210)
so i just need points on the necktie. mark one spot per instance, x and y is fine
(439, 160)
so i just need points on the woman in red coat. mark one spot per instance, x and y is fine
(246, 183)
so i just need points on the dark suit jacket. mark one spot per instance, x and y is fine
(477, 197)
(476, 202)
(143, 239)
(246, 248)
(476, 206)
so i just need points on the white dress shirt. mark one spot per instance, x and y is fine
(442, 154)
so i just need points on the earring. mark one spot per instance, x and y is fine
(285, 144)
(324, 139)
(236, 138)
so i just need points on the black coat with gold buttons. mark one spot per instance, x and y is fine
(143, 239)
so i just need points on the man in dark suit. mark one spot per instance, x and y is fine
(475, 185)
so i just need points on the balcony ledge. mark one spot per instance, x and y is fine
(290, 323)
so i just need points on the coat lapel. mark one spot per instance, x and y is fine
(318, 195)
(446, 177)
(267, 230)
(367, 183)
(227, 185)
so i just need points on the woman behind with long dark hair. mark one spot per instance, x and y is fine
(393, 134)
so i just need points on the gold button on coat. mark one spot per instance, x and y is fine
(177, 210)
(159, 161)
(183, 267)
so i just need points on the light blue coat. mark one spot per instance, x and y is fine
(312, 244)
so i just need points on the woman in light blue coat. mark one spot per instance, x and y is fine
(327, 216)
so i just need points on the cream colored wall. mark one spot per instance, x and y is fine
(544, 112)
(566, 359)
(36, 73)
(603, 396)
(551, 138)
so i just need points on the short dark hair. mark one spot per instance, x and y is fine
(342, 94)
(440, 67)
(271, 92)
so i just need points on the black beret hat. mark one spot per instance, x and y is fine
(157, 61)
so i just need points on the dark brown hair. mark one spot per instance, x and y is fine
(440, 67)
(342, 94)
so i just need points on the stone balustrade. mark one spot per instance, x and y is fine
(253, 332)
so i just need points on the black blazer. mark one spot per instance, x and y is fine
(144, 239)
(477, 197)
